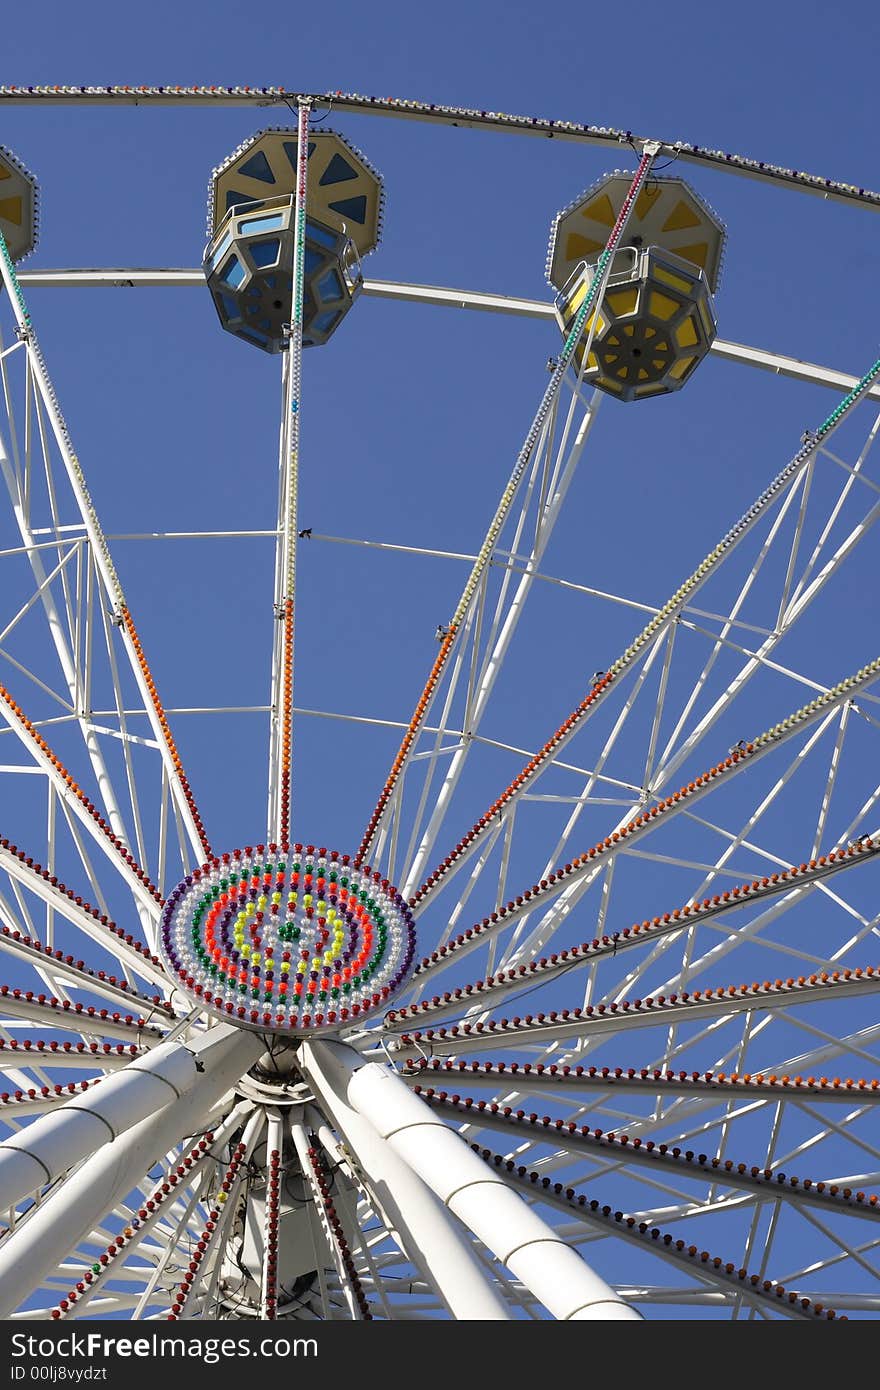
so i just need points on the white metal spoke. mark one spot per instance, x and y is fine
(633, 1022)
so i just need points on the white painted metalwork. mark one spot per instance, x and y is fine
(441, 296)
(429, 1239)
(67, 1215)
(599, 1097)
(481, 1200)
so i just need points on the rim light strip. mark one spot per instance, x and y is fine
(438, 113)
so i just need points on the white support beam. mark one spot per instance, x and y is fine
(321, 1221)
(73, 800)
(445, 297)
(68, 1056)
(650, 1012)
(768, 1183)
(55, 896)
(428, 1235)
(434, 113)
(52, 1013)
(515, 1234)
(567, 457)
(44, 394)
(59, 636)
(54, 1143)
(74, 1208)
(53, 970)
(608, 1081)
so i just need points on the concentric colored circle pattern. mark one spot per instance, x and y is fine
(292, 943)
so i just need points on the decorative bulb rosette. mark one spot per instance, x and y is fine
(288, 943)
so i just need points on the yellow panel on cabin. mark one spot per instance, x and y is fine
(682, 366)
(680, 217)
(10, 210)
(601, 210)
(661, 306)
(686, 334)
(622, 301)
(577, 247)
(675, 282)
(646, 200)
(696, 253)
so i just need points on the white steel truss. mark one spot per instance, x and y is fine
(147, 1152)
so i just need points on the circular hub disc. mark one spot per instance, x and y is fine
(290, 943)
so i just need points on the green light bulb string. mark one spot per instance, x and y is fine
(16, 288)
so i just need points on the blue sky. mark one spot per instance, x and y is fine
(170, 414)
(412, 416)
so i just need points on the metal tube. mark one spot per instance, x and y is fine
(466, 118)
(70, 1212)
(429, 1236)
(54, 1143)
(321, 1222)
(530, 1249)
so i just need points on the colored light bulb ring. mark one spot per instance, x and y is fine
(288, 943)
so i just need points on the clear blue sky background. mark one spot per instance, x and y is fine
(411, 416)
(175, 421)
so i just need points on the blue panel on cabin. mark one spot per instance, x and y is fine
(355, 208)
(265, 252)
(338, 171)
(257, 167)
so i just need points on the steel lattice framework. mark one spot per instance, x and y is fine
(159, 1163)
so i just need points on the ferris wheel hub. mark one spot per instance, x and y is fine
(290, 944)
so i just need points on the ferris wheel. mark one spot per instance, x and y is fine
(584, 1024)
